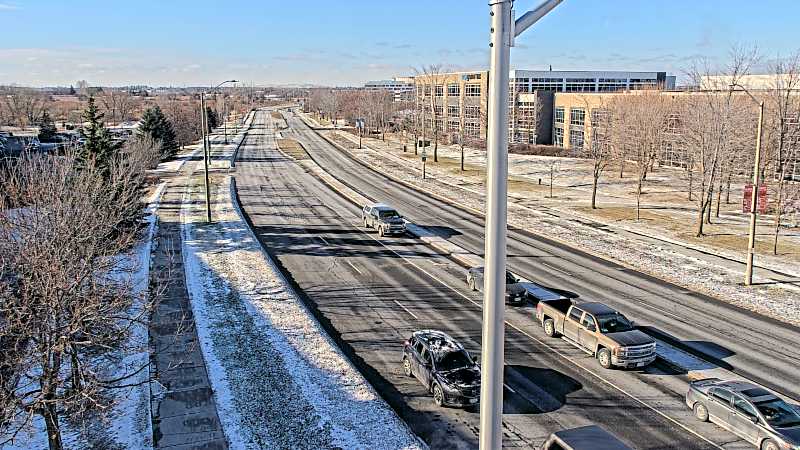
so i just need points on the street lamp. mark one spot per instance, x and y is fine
(751, 241)
(503, 30)
(206, 147)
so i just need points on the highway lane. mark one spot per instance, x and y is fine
(762, 349)
(371, 293)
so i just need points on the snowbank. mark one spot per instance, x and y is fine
(279, 380)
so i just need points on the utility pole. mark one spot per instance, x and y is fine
(204, 125)
(751, 239)
(207, 146)
(502, 33)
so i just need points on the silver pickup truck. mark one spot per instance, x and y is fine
(598, 330)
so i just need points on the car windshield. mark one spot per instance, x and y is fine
(454, 360)
(386, 213)
(779, 413)
(613, 323)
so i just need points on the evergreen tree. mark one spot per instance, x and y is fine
(156, 126)
(72, 90)
(47, 128)
(99, 146)
(213, 120)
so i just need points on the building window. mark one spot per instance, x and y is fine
(672, 155)
(426, 91)
(472, 129)
(599, 117)
(612, 84)
(580, 85)
(547, 84)
(438, 110)
(559, 115)
(453, 111)
(577, 116)
(453, 125)
(453, 90)
(439, 90)
(472, 90)
(558, 137)
(575, 139)
(472, 112)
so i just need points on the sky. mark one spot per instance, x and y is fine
(349, 42)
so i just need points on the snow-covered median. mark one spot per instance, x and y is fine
(279, 380)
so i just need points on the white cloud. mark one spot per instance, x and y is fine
(8, 7)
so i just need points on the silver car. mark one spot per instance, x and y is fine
(747, 410)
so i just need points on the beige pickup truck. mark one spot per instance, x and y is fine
(598, 330)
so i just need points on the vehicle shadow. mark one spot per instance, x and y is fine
(711, 354)
(536, 390)
(444, 232)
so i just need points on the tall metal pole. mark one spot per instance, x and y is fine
(751, 242)
(225, 118)
(206, 155)
(502, 33)
(494, 286)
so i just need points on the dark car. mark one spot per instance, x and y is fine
(516, 294)
(591, 437)
(444, 368)
(383, 218)
(747, 410)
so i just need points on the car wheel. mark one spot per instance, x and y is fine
(700, 412)
(407, 367)
(380, 231)
(604, 358)
(471, 282)
(438, 395)
(365, 223)
(769, 445)
(549, 327)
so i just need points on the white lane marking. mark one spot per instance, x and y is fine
(509, 388)
(323, 240)
(406, 310)
(355, 268)
(559, 353)
(555, 268)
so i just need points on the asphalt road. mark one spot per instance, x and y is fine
(759, 348)
(370, 293)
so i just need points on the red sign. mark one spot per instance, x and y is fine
(748, 196)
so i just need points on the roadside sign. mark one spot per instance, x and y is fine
(747, 197)
(360, 124)
(424, 155)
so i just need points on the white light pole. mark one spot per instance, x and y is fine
(503, 31)
(206, 146)
(751, 237)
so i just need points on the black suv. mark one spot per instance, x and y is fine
(443, 367)
(516, 294)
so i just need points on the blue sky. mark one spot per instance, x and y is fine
(176, 42)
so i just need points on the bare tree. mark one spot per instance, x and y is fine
(639, 123)
(715, 126)
(600, 149)
(782, 134)
(24, 106)
(117, 104)
(432, 78)
(66, 297)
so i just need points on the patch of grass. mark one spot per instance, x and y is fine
(293, 148)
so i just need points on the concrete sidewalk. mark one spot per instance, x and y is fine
(184, 410)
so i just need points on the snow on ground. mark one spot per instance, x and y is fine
(128, 424)
(658, 260)
(279, 380)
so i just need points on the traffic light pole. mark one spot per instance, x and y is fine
(503, 31)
